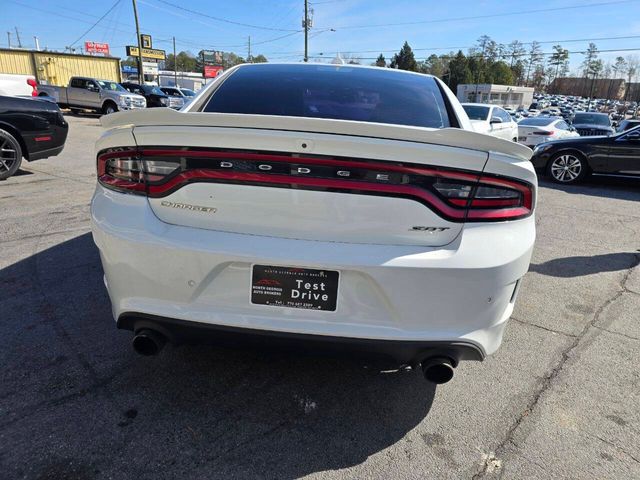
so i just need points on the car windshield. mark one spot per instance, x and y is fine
(336, 92)
(187, 92)
(113, 86)
(591, 118)
(153, 90)
(476, 112)
(537, 122)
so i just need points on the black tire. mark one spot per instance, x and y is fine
(514, 139)
(109, 107)
(567, 168)
(10, 154)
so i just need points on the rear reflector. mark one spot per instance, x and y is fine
(456, 195)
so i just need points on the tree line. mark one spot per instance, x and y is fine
(511, 64)
(188, 62)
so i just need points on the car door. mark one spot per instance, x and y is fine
(77, 92)
(624, 153)
(504, 129)
(93, 96)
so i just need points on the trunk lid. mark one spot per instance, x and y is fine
(309, 208)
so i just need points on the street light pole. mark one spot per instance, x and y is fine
(305, 23)
(135, 14)
(175, 64)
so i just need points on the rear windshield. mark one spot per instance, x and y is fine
(536, 122)
(593, 118)
(476, 112)
(336, 92)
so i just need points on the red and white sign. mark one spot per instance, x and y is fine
(212, 71)
(94, 47)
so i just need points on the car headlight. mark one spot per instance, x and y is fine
(125, 101)
(164, 101)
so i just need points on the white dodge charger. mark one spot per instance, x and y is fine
(326, 206)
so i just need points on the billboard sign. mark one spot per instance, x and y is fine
(212, 57)
(150, 68)
(146, 53)
(212, 71)
(95, 47)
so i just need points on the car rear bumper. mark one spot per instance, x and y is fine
(181, 332)
(415, 297)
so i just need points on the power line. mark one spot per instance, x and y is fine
(481, 17)
(224, 20)
(544, 42)
(525, 54)
(96, 23)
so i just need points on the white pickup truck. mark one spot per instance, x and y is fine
(14, 85)
(83, 93)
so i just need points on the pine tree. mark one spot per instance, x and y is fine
(405, 60)
(381, 61)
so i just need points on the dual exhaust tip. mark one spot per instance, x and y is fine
(149, 342)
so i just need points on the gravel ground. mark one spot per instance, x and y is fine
(561, 398)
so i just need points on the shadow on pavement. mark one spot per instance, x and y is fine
(78, 403)
(569, 267)
(621, 188)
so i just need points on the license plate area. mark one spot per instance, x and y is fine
(294, 287)
(522, 138)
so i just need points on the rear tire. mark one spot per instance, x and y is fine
(10, 155)
(109, 107)
(567, 168)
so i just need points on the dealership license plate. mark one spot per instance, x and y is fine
(294, 287)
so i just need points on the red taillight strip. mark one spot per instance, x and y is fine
(373, 165)
(347, 185)
(456, 209)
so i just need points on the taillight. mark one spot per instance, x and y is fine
(455, 195)
(34, 85)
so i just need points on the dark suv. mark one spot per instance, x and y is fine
(155, 97)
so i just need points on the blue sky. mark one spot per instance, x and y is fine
(358, 25)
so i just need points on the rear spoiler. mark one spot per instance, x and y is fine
(453, 137)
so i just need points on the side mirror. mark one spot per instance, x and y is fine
(495, 120)
(92, 88)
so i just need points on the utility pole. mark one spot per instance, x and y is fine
(175, 64)
(18, 37)
(305, 25)
(135, 14)
(249, 53)
(35, 39)
(9, 39)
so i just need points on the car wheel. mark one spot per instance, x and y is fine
(109, 108)
(10, 154)
(514, 139)
(567, 167)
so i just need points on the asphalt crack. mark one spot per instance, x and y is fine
(486, 466)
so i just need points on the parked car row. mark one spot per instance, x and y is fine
(106, 96)
(566, 150)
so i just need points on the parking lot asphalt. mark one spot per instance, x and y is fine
(561, 398)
